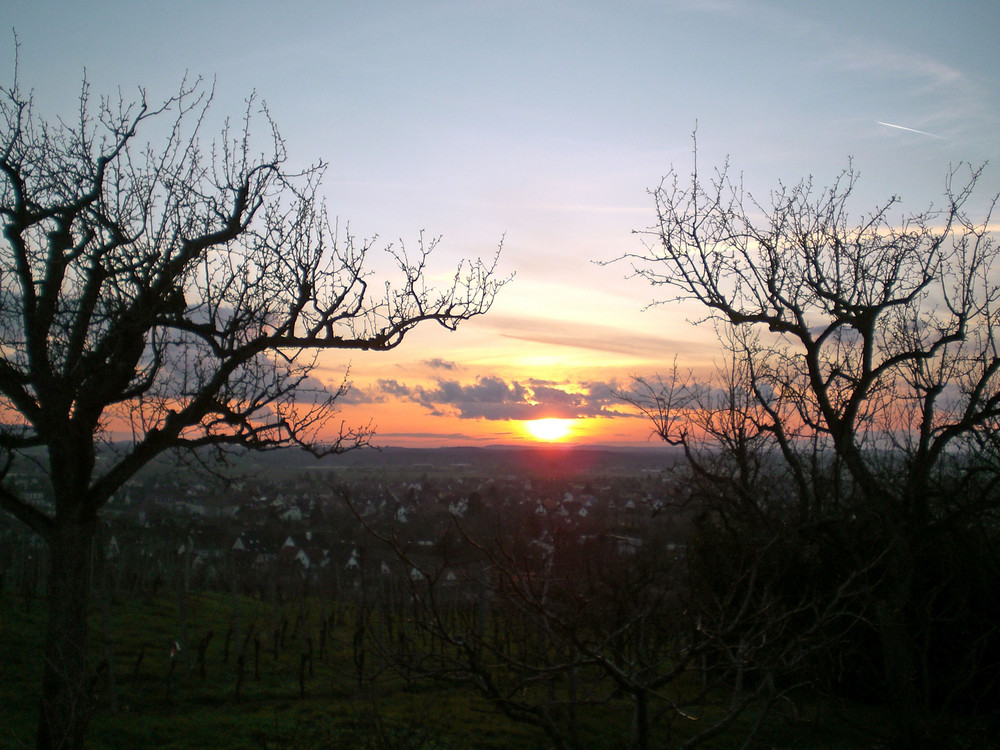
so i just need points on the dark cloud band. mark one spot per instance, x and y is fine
(491, 397)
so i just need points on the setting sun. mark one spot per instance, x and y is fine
(549, 430)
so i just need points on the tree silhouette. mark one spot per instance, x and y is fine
(857, 411)
(171, 297)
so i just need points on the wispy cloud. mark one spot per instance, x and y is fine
(710, 6)
(451, 437)
(588, 336)
(861, 56)
(931, 88)
(935, 91)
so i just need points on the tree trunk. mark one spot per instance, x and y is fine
(899, 653)
(900, 673)
(66, 697)
(640, 720)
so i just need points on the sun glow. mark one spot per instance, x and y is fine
(549, 430)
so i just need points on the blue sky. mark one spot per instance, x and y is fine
(545, 123)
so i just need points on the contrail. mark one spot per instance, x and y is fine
(911, 130)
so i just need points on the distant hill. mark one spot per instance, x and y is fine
(543, 460)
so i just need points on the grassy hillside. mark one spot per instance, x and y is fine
(148, 698)
(159, 700)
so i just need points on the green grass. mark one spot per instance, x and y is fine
(173, 708)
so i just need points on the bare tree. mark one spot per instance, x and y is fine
(861, 393)
(170, 297)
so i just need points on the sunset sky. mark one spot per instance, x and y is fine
(545, 124)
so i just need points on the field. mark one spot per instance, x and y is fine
(195, 699)
(162, 700)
